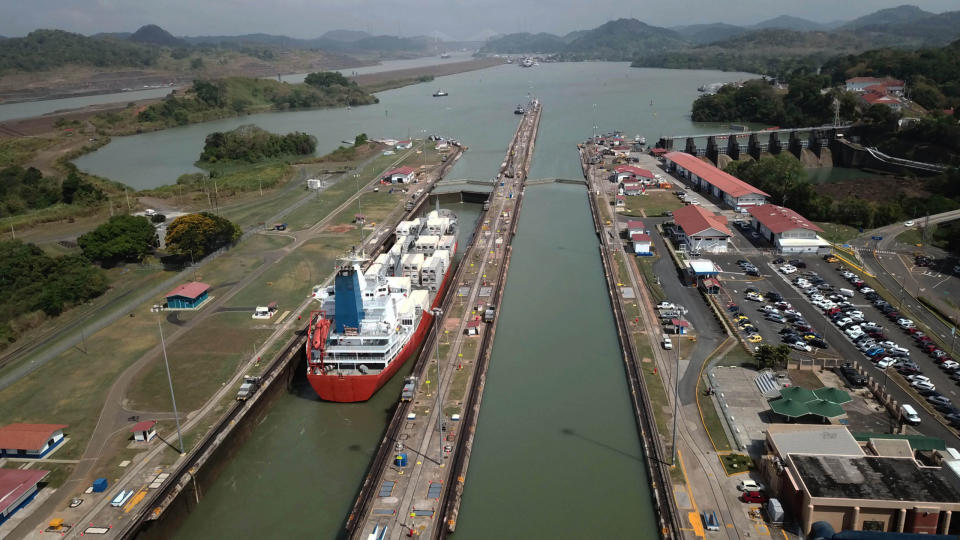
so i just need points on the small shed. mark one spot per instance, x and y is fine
(680, 326)
(641, 244)
(710, 286)
(473, 328)
(144, 431)
(635, 226)
(100, 485)
(621, 201)
(188, 296)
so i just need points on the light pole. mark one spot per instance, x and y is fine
(437, 313)
(173, 398)
(676, 403)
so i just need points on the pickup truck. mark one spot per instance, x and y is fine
(249, 387)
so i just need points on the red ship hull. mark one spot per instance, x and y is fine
(353, 388)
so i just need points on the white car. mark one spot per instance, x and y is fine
(915, 378)
(950, 365)
(908, 223)
(886, 362)
(905, 323)
(788, 269)
(871, 326)
(923, 385)
(749, 485)
(754, 296)
(846, 321)
(666, 305)
(866, 290)
(801, 346)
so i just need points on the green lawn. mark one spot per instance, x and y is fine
(805, 378)
(836, 233)
(739, 357)
(711, 420)
(736, 463)
(653, 203)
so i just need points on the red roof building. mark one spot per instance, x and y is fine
(658, 151)
(144, 431)
(787, 230)
(635, 226)
(189, 290)
(637, 172)
(641, 244)
(701, 230)
(29, 440)
(705, 177)
(17, 486)
(402, 175)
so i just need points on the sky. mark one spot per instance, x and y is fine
(457, 19)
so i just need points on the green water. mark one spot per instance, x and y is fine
(557, 451)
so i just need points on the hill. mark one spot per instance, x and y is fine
(348, 36)
(42, 50)
(896, 15)
(789, 22)
(154, 35)
(701, 34)
(621, 39)
(933, 30)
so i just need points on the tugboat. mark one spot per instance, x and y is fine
(440, 93)
(519, 110)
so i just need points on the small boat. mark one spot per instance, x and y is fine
(440, 93)
(445, 55)
(519, 110)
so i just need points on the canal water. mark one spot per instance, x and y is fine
(557, 451)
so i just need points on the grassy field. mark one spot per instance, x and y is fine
(20, 150)
(805, 378)
(736, 463)
(652, 203)
(645, 265)
(914, 235)
(711, 420)
(738, 357)
(836, 233)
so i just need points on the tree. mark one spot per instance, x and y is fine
(324, 79)
(360, 139)
(773, 357)
(121, 238)
(75, 189)
(196, 64)
(197, 235)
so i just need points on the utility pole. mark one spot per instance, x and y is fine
(173, 398)
(437, 313)
(216, 196)
(14, 233)
(83, 340)
(127, 196)
(676, 403)
(260, 184)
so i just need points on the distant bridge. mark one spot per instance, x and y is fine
(814, 139)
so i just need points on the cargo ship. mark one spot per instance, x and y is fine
(372, 320)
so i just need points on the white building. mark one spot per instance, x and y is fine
(788, 231)
(403, 175)
(641, 244)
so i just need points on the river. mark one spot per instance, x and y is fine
(557, 452)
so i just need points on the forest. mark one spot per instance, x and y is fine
(253, 144)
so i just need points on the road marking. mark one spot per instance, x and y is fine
(697, 523)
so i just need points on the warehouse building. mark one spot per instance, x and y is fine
(17, 488)
(30, 440)
(706, 178)
(788, 231)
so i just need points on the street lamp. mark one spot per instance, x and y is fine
(676, 402)
(437, 313)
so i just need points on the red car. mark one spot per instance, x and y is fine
(754, 497)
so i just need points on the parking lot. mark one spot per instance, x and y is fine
(839, 347)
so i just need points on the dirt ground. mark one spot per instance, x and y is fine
(372, 79)
(877, 189)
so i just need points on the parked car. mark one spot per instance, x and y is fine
(923, 385)
(749, 485)
(756, 497)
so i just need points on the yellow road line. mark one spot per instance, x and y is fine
(686, 481)
(697, 523)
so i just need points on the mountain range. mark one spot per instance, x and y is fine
(626, 39)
